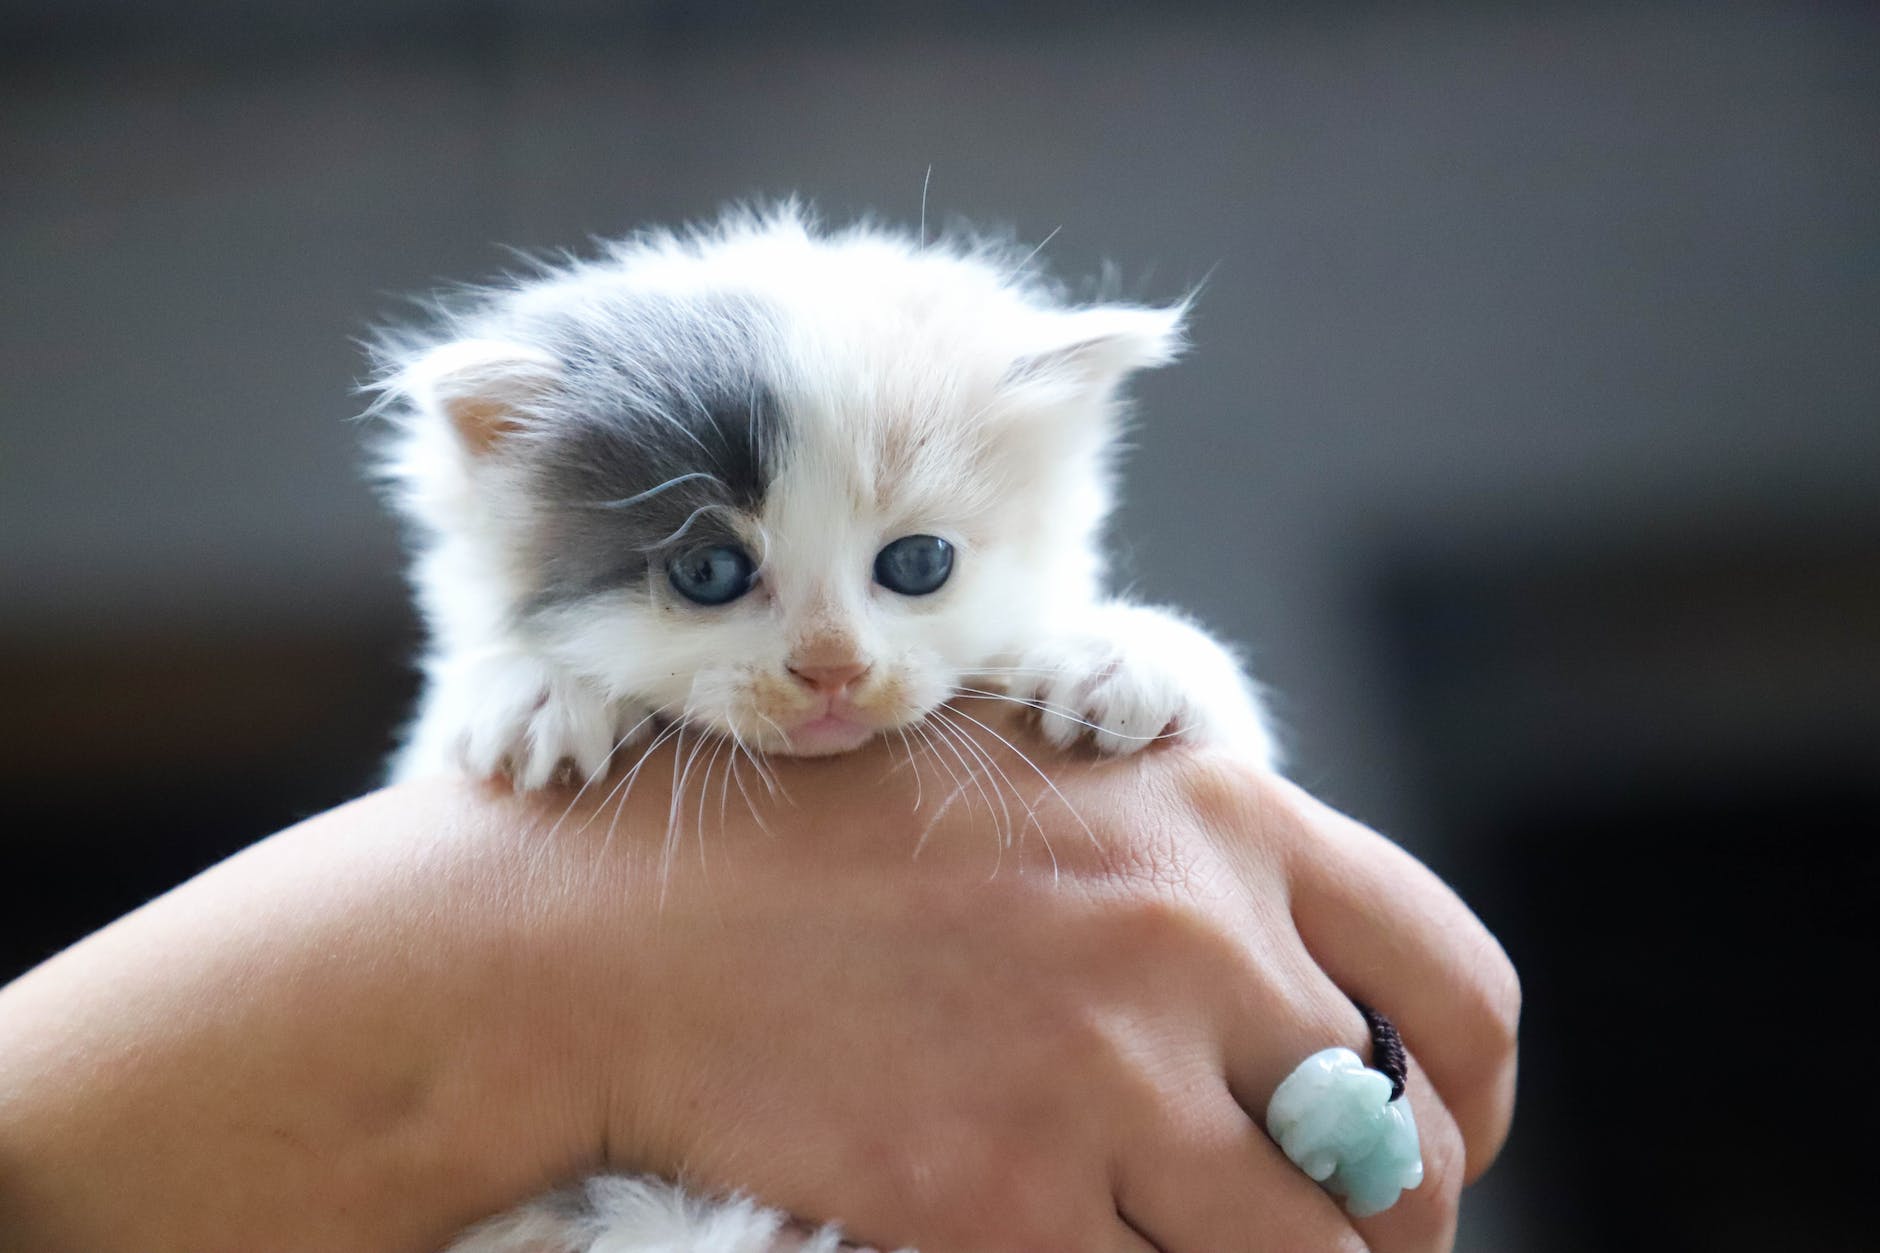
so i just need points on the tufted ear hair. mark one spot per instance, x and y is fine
(483, 387)
(1089, 352)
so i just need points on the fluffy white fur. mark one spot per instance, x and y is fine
(611, 1214)
(928, 388)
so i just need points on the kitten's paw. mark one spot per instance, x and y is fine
(1086, 688)
(1137, 677)
(520, 720)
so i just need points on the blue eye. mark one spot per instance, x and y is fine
(713, 575)
(914, 565)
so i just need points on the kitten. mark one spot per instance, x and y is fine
(793, 487)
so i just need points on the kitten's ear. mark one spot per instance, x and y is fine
(1090, 351)
(484, 387)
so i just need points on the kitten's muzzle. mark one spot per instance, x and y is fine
(830, 680)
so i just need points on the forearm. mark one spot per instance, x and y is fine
(311, 1046)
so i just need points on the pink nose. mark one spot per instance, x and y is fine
(832, 680)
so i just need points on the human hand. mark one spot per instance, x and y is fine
(405, 1014)
(1066, 1043)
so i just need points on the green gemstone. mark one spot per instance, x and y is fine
(1335, 1119)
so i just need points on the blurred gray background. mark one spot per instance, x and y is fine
(1531, 440)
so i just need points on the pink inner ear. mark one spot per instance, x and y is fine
(480, 421)
(484, 387)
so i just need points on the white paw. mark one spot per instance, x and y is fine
(1085, 687)
(512, 717)
(1136, 677)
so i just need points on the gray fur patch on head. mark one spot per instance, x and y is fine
(665, 426)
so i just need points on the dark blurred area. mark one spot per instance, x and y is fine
(1531, 437)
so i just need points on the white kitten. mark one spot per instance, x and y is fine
(792, 487)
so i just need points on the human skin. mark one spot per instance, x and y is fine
(378, 1026)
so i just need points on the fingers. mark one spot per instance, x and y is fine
(1212, 1182)
(1290, 1010)
(1299, 1011)
(1390, 934)
(1424, 1218)
(1220, 1184)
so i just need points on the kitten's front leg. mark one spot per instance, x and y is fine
(503, 713)
(1131, 676)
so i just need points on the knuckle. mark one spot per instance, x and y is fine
(1174, 883)
(1175, 928)
(1504, 998)
(1493, 998)
(1106, 1059)
(1240, 801)
(1218, 785)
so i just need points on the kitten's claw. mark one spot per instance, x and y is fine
(515, 719)
(1140, 676)
(1088, 689)
(569, 738)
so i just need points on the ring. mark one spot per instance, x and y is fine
(1347, 1126)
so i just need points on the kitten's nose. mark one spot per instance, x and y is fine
(831, 680)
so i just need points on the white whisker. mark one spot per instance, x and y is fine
(766, 773)
(952, 736)
(1026, 758)
(1031, 813)
(946, 802)
(1033, 254)
(669, 841)
(724, 782)
(621, 790)
(682, 775)
(704, 798)
(938, 737)
(996, 777)
(599, 772)
(737, 777)
(925, 183)
(783, 736)
(717, 747)
(920, 784)
(542, 847)
(1044, 706)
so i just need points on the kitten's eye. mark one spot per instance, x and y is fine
(914, 565)
(713, 575)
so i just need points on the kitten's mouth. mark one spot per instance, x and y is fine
(829, 733)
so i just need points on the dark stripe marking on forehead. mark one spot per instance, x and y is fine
(667, 426)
